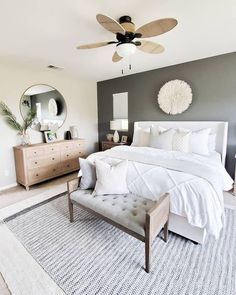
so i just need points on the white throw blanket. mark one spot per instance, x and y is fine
(195, 183)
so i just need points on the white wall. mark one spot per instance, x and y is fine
(81, 99)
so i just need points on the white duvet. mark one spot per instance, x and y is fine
(195, 183)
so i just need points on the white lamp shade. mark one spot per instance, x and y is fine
(125, 49)
(119, 124)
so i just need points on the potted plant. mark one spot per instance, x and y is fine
(14, 124)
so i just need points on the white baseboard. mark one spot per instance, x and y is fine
(3, 188)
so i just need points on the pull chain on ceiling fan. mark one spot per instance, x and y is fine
(126, 34)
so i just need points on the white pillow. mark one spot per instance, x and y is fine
(199, 142)
(88, 173)
(161, 140)
(141, 136)
(111, 179)
(181, 141)
(212, 142)
(158, 128)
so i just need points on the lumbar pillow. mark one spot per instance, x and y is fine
(88, 173)
(141, 136)
(111, 179)
(181, 141)
(199, 142)
(161, 140)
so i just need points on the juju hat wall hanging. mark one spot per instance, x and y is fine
(175, 97)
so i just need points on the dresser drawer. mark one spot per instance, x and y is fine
(70, 165)
(35, 152)
(35, 175)
(71, 154)
(52, 148)
(79, 145)
(72, 144)
(33, 163)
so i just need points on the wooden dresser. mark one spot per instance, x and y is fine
(39, 162)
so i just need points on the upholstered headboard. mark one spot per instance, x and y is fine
(220, 128)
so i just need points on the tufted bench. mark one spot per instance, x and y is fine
(141, 218)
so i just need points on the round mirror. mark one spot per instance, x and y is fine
(48, 104)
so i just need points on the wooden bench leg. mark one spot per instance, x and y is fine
(148, 248)
(166, 233)
(71, 210)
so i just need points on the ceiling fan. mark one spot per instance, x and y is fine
(126, 34)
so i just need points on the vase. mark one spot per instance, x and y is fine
(109, 137)
(74, 132)
(24, 138)
(116, 137)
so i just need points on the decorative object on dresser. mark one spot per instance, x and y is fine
(14, 124)
(68, 135)
(106, 145)
(175, 97)
(40, 162)
(50, 136)
(74, 132)
(118, 125)
(49, 105)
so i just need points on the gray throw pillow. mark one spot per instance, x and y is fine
(88, 173)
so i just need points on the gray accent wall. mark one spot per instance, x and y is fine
(213, 82)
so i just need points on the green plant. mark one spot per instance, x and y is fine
(12, 121)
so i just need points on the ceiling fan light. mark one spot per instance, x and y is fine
(126, 49)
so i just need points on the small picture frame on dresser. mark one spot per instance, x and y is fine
(124, 139)
(50, 136)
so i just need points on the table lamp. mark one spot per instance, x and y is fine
(118, 125)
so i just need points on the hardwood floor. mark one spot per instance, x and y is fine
(19, 193)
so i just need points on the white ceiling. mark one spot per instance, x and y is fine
(42, 32)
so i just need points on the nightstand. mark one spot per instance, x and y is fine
(110, 144)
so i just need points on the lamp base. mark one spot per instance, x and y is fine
(116, 137)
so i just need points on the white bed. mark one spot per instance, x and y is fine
(177, 223)
(191, 180)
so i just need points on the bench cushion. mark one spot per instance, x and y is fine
(126, 210)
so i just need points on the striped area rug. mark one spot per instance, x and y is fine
(92, 257)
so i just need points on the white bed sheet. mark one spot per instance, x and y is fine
(195, 186)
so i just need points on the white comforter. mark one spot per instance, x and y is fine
(195, 183)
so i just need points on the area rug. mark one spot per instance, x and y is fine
(90, 256)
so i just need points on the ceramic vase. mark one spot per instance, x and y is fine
(116, 137)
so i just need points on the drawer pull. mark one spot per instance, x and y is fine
(53, 159)
(54, 170)
(36, 163)
(35, 152)
(37, 174)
